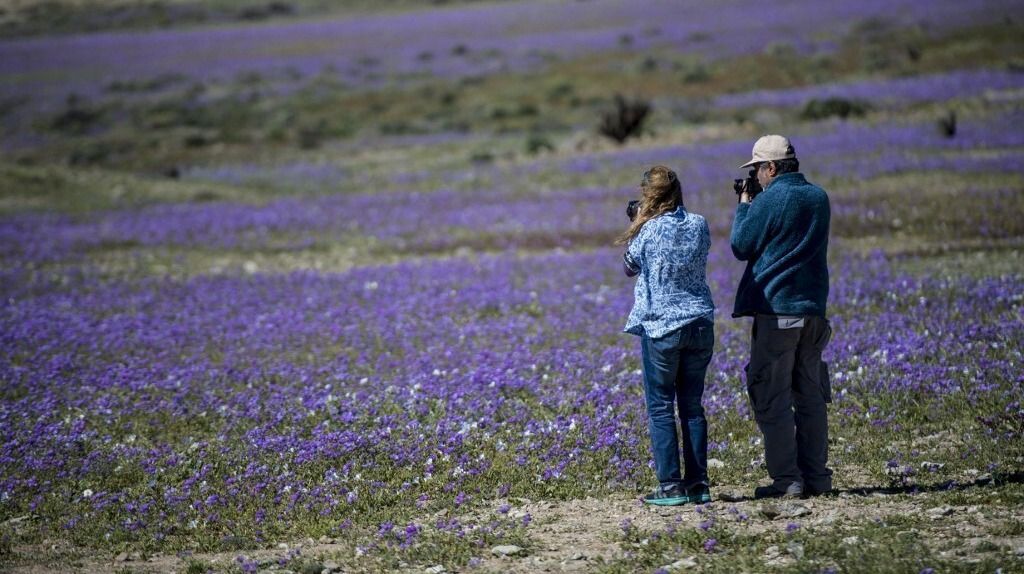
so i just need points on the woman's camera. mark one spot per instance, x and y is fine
(749, 185)
(631, 208)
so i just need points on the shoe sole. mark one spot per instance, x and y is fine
(702, 499)
(677, 501)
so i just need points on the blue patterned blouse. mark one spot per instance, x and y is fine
(670, 254)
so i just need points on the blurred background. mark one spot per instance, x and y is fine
(129, 114)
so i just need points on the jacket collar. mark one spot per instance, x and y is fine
(787, 179)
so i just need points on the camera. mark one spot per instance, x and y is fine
(749, 185)
(632, 208)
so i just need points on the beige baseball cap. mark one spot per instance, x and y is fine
(771, 148)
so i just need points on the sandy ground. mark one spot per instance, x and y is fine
(569, 536)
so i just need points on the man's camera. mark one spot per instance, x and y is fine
(749, 185)
(632, 208)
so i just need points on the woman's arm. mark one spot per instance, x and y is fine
(633, 258)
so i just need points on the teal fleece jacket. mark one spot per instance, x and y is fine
(783, 237)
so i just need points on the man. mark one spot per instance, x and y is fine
(782, 234)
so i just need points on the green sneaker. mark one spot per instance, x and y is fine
(672, 495)
(698, 494)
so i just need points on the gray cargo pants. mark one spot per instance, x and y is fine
(788, 387)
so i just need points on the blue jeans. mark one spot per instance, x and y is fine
(674, 369)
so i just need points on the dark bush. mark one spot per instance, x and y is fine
(527, 109)
(196, 140)
(448, 98)
(537, 143)
(481, 157)
(77, 119)
(401, 127)
(695, 73)
(145, 85)
(97, 152)
(947, 124)
(837, 107)
(8, 105)
(626, 120)
(269, 10)
(310, 136)
(560, 91)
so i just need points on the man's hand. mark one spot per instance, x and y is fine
(745, 197)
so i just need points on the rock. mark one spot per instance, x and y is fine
(435, 570)
(939, 511)
(15, 520)
(122, 557)
(827, 519)
(506, 550)
(1019, 551)
(796, 550)
(931, 466)
(770, 511)
(325, 539)
(851, 540)
(332, 566)
(730, 497)
(795, 510)
(282, 546)
(135, 556)
(771, 552)
(680, 565)
(715, 463)
(578, 556)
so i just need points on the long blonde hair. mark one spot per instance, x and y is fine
(661, 193)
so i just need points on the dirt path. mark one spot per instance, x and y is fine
(571, 536)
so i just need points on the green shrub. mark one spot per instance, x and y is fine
(481, 157)
(537, 143)
(77, 118)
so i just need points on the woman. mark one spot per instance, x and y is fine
(674, 316)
